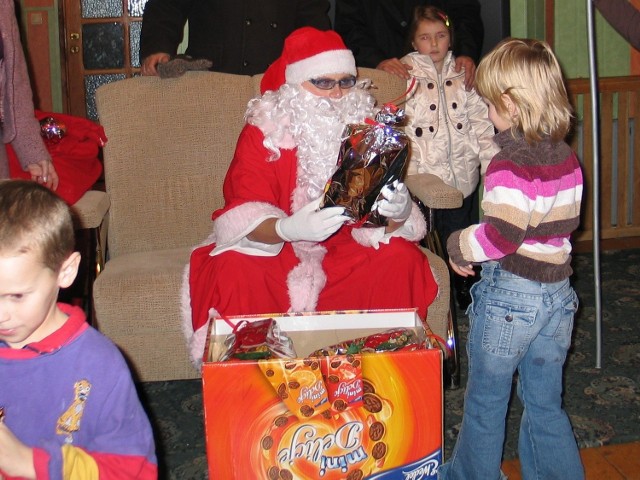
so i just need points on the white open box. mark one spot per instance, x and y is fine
(311, 331)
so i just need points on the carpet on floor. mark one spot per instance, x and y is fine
(603, 403)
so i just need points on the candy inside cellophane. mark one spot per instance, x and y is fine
(261, 339)
(386, 341)
(372, 155)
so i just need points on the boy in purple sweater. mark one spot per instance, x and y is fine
(522, 309)
(69, 405)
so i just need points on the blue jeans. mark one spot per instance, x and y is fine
(516, 324)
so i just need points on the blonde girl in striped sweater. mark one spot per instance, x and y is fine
(522, 310)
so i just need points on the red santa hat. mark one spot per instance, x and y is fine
(308, 53)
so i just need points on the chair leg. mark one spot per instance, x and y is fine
(452, 362)
(91, 273)
(451, 367)
(96, 264)
(92, 263)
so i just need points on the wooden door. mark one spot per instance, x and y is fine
(100, 40)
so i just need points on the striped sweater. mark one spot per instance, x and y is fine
(531, 206)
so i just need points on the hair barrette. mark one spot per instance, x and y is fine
(445, 19)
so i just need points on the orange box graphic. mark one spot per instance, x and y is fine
(396, 433)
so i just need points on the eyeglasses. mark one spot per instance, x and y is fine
(329, 83)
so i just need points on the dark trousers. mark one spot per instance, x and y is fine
(447, 221)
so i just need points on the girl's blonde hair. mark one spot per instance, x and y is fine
(528, 72)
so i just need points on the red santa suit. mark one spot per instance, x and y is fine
(355, 268)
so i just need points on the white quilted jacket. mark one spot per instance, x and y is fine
(450, 131)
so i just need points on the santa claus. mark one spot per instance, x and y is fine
(272, 249)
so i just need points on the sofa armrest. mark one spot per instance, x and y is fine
(438, 312)
(90, 216)
(91, 209)
(433, 192)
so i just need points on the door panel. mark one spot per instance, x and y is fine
(101, 40)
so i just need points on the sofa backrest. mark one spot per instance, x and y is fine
(386, 87)
(169, 146)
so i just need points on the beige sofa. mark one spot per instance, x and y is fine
(169, 145)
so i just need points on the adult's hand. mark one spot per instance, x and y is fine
(44, 173)
(395, 67)
(469, 70)
(310, 224)
(150, 63)
(396, 204)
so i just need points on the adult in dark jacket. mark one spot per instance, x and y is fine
(376, 31)
(239, 36)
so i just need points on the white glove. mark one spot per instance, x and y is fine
(310, 224)
(396, 204)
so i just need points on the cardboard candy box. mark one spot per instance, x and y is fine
(256, 431)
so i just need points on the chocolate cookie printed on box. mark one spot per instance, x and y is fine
(337, 444)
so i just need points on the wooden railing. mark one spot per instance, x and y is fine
(619, 158)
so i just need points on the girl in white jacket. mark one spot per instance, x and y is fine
(449, 127)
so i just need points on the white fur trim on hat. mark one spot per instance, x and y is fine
(325, 63)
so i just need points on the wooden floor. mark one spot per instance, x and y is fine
(613, 462)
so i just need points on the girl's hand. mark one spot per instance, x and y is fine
(16, 459)
(463, 271)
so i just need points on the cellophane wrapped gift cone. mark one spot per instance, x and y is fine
(373, 154)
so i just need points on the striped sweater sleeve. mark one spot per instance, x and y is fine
(531, 206)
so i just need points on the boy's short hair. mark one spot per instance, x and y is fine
(529, 73)
(34, 219)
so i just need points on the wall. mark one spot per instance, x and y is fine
(40, 35)
(614, 55)
(527, 18)
(571, 41)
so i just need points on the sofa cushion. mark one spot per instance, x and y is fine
(137, 301)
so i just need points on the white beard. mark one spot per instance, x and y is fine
(315, 124)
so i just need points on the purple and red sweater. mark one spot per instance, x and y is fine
(531, 204)
(71, 398)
